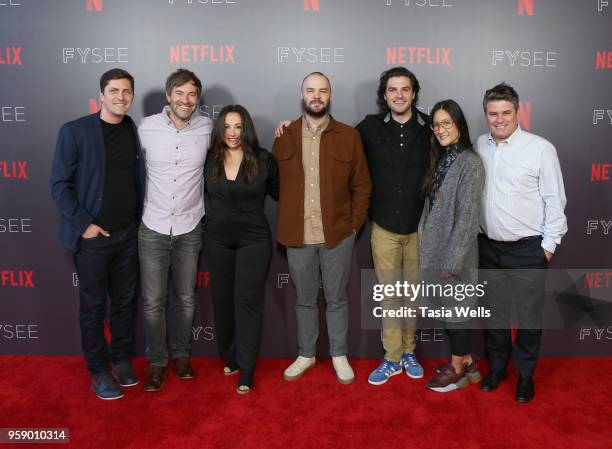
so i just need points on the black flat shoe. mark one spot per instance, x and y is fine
(525, 390)
(492, 380)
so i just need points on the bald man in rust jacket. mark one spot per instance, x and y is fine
(324, 197)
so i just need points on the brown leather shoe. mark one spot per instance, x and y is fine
(183, 368)
(155, 379)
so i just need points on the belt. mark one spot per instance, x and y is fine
(513, 242)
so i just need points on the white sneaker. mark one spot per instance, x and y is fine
(299, 367)
(344, 372)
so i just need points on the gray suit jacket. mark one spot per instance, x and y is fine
(448, 232)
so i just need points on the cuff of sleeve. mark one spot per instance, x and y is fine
(549, 245)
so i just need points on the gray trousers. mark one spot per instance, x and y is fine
(307, 266)
(163, 258)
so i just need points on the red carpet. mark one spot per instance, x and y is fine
(572, 409)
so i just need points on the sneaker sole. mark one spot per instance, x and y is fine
(345, 381)
(413, 376)
(125, 384)
(371, 382)
(230, 373)
(451, 387)
(297, 376)
(473, 377)
(185, 377)
(107, 399)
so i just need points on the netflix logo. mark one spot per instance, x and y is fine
(597, 279)
(17, 278)
(201, 2)
(602, 4)
(598, 227)
(418, 55)
(602, 117)
(429, 3)
(12, 114)
(310, 55)
(525, 7)
(204, 53)
(94, 5)
(13, 169)
(10, 3)
(10, 55)
(603, 60)
(312, 5)
(203, 279)
(523, 58)
(94, 55)
(600, 172)
(524, 114)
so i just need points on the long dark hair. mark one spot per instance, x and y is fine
(436, 151)
(248, 141)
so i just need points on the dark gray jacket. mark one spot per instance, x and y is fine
(448, 232)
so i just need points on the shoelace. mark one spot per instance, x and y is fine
(410, 359)
(386, 367)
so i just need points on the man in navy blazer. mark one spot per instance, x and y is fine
(97, 184)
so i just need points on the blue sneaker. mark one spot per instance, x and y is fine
(412, 366)
(124, 374)
(382, 374)
(102, 384)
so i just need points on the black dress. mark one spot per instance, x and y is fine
(238, 247)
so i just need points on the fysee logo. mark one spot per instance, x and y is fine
(94, 5)
(12, 113)
(10, 3)
(601, 4)
(525, 7)
(598, 225)
(311, 5)
(600, 115)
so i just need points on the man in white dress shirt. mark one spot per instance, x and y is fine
(522, 222)
(175, 143)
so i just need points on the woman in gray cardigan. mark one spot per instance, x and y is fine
(448, 231)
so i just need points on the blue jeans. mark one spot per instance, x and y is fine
(166, 258)
(107, 267)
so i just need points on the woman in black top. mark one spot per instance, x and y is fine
(238, 175)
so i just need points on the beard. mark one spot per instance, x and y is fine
(315, 113)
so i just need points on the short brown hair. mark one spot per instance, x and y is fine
(180, 77)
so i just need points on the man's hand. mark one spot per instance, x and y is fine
(279, 128)
(548, 255)
(93, 231)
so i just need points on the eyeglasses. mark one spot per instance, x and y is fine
(446, 124)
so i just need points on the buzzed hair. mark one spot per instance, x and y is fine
(317, 73)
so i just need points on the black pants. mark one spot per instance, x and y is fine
(107, 267)
(237, 278)
(515, 274)
(460, 340)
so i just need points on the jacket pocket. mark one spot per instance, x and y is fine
(342, 154)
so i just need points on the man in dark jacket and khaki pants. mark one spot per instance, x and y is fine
(324, 197)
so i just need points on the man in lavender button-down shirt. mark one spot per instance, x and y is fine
(174, 143)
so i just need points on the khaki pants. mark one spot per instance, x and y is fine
(396, 258)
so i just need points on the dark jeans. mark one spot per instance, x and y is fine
(107, 267)
(515, 275)
(166, 258)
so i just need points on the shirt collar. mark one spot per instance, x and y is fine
(169, 122)
(319, 128)
(510, 138)
(419, 119)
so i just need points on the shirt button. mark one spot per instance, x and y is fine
(312, 168)
(397, 211)
(401, 135)
(175, 180)
(401, 144)
(177, 147)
